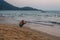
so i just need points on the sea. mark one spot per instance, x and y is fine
(48, 21)
(33, 16)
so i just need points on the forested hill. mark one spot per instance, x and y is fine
(6, 6)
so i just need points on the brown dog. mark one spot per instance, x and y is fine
(22, 22)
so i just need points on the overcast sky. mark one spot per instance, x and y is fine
(39, 4)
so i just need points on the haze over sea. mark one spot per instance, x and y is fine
(49, 18)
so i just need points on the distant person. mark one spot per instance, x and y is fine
(22, 22)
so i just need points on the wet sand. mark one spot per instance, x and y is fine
(8, 20)
(52, 30)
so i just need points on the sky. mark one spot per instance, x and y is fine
(39, 4)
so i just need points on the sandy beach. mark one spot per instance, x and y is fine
(9, 30)
(14, 32)
(29, 19)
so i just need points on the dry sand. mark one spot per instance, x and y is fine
(14, 32)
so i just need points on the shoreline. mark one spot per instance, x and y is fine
(44, 28)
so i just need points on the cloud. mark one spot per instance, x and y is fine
(52, 4)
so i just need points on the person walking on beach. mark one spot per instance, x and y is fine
(22, 22)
